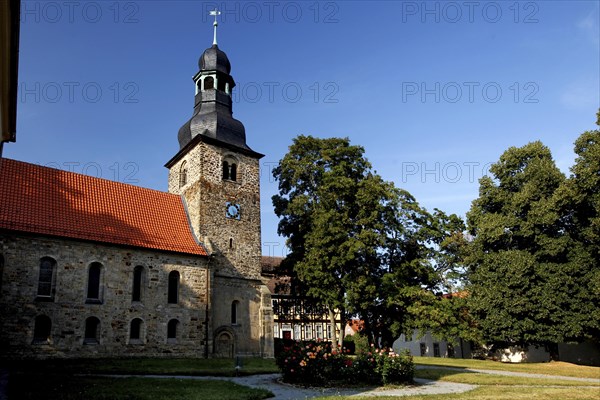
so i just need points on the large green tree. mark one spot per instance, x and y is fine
(526, 281)
(579, 204)
(357, 244)
(329, 204)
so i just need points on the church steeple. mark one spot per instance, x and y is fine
(212, 116)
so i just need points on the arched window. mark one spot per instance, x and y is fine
(46, 278)
(93, 289)
(183, 174)
(1, 271)
(209, 83)
(172, 328)
(225, 170)
(138, 283)
(173, 293)
(234, 312)
(136, 330)
(92, 330)
(42, 329)
(221, 85)
(230, 168)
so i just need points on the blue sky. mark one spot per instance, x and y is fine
(434, 91)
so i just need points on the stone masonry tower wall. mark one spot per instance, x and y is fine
(234, 239)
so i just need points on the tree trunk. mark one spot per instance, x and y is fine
(334, 344)
(342, 329)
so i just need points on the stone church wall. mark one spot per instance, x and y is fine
(68, 306)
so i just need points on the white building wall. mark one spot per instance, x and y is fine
(426, 346)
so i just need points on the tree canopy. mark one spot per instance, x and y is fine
(357, 243)
(533, 262)
(524, 270)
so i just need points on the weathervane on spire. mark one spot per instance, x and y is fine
(215, 13)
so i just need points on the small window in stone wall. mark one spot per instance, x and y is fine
(1, 270)
(183, 172)
(94, 289)
(136, 331)
(436, 349)
(42, 329)
(46, 279)
(234, 312)
(172, 330)
(173, 290)
(423, 348)
(138, 283)
(92, 331)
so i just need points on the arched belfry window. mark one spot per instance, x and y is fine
(230, 169)
(183, 174)
(221, 85)
(209, 83)
(225, 170)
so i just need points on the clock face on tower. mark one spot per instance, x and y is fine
(232, 210)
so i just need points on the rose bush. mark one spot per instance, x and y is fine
(315, 363)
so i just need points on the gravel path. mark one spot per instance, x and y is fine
(284, 391)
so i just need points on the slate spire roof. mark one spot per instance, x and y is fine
(212, 119)
(47, 201)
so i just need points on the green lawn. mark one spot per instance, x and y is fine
(498, 387)
(500, 393)
(160, 366)
(486, 379)
(549, 368)
(59, 379)
(65, 387)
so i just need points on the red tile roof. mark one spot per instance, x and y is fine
(47, 201)
(269, 264)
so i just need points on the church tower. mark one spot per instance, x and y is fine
(217, 174)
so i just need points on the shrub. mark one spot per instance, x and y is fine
(314, 363)
(396, 368)
(361, 343)
(349, 345)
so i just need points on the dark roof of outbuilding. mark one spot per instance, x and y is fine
(48, 201)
